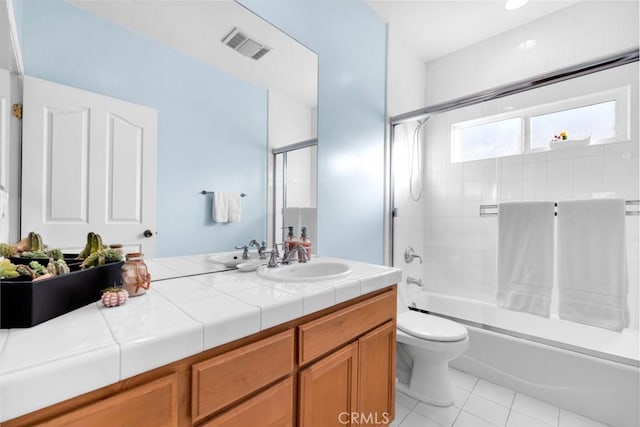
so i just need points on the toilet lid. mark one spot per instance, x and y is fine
(428, 327)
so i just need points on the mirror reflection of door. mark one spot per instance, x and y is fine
(295, 191)
(89, 165)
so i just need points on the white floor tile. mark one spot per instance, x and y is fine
(404, 400)
(487, 409)
(462, 379)
(460, 396)
(443, 416)
(541, 411)
(491, 391)
(401, 413)
(416, 420)
(517, 419)
(469, 420)
(570, 419)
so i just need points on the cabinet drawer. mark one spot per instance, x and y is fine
(154, 404)
(271, 408)
(326, 333)
(229, 377)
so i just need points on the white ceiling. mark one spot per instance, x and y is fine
(435, 28)
(197, 27)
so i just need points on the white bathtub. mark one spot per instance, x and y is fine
(590, 371)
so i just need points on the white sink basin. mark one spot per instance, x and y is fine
(307, 272)
(233, 259)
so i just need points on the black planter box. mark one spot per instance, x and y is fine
(25, 303)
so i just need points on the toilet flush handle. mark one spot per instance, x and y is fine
(410, 255)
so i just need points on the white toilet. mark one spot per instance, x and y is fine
(425, 345)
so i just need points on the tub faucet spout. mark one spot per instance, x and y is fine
(414, 281)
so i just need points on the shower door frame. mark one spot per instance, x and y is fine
(284, 150)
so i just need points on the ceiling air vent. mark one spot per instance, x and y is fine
(240, 42)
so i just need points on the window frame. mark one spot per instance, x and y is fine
(621, 96)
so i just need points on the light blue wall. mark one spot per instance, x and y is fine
(350, 41)
(212, 126)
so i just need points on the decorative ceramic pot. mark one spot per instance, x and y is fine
(113, 297)
(135, 276)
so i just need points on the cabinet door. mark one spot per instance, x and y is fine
(225, 379)
(154, 404)
(271, 408)
(328, 389)
(376, 384)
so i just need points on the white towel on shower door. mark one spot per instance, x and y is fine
(591, 263)
(525, 256)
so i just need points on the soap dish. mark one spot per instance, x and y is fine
(248, 266)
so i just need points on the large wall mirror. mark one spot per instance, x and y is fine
(226, 88)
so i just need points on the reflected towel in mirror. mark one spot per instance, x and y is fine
(226, 207)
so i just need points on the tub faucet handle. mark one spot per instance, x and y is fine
(410, 255)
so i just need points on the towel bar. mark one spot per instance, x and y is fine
(211, 192)
(488, 210)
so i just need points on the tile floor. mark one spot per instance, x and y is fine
(479, 403)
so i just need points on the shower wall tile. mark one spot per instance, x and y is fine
(535, 171)
(560, 189)
(622, 147)
(561, 168)
(509, 190)
(592, 150)
(620, 164)
(588, 187)
(589, 166)
(535, 190)
(512, 170)
(625, 186)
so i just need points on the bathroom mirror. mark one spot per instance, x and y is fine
(215, 122)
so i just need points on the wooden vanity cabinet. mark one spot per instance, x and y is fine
(355, 383)
(151, 404)
(229, 377)
(273, 407)
(335, 367)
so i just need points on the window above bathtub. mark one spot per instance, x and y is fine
(597, 118)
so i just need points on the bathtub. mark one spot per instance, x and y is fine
(591, 371)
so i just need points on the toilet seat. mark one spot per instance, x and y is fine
(429, 327)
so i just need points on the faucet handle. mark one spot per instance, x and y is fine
(275, 249)
(273, 259)
(245, 251)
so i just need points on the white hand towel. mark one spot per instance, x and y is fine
(591, 260)
(525, 256)
(235, 207)
(220, 208)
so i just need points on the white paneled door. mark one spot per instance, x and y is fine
(88, 164)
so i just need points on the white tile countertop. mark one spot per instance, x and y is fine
(193, 305)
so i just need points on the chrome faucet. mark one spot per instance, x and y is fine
(301, 251)
(261, 246)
